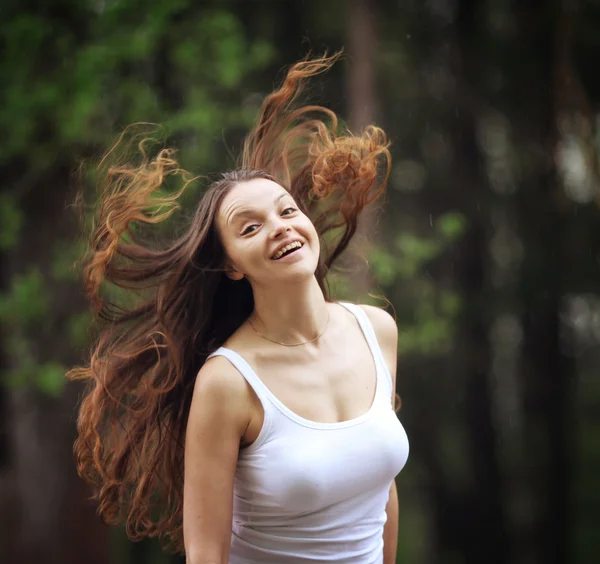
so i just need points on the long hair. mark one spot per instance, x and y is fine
(173, 304)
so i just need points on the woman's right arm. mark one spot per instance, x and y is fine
(219, 416)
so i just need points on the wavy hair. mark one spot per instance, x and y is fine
(171, 305)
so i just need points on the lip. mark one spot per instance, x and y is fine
(285, 244)
(292, 257)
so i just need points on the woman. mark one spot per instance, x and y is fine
(232, 407)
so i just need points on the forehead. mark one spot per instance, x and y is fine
(254, 194)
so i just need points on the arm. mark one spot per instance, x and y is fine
(390, 529)
(219, 415)
(387, 334)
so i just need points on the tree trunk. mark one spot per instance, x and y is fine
(55, 522)
(479, 512)
(546, 375)
(361, 110)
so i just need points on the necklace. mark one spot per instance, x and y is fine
(292, 344)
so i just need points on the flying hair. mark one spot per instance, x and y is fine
(163, 308)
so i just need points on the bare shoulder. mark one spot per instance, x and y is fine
(220, 386)
(386, 332)
(384, 325)
(217, 420)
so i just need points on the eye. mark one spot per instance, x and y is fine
(250, 229)
(290, 210)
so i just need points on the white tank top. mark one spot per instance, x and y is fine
(308, 492)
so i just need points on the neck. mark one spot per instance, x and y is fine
(291, 313)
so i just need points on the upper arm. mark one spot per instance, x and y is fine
(219, 415)
(387, 335)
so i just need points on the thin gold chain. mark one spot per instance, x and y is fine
(292, 344)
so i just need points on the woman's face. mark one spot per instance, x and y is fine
(265, 235)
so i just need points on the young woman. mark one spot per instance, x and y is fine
(232, 406)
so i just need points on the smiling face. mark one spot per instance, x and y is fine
(265, 235)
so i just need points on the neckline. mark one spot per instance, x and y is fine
(318, 424)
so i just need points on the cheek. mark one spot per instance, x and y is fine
(310, 229)
(233, 252)
(244, 254)
(228, 249)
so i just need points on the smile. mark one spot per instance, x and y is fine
(287, 250)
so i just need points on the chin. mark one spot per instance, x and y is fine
(304, 272)
(296, 273)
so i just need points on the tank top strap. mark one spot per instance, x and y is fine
(263, 393)
(371, 338)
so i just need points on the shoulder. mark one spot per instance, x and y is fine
(219, 375)
(386, 332)
(384, 325)
(220, 386)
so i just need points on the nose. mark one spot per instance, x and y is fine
(280, 228)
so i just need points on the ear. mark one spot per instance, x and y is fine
(233, 273)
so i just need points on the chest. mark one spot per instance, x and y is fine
(336, 386)
(299, 469)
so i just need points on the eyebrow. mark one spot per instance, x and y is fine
(250, 213)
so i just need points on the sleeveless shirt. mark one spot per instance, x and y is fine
(308, 492)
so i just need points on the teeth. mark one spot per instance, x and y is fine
(294, 245)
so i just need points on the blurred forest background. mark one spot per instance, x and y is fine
(487, 245)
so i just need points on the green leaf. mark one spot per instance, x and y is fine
(27, 300)
(50, 378)
(79, 327)
(450, 226)
(64, 258)
(11, 220)
(450, 302)
(261, 54)
(417, 248)
(14, 379)
(383, 266)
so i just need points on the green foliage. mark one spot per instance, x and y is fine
(25, 308)
(428, 309)
(50, 378)
(78, 328)
(415, 251)
(65, 257)
(430, 330)
(27, 301)
(11, 220)
(132, 65)
(383, 266)
(74, 84)
(450, 226)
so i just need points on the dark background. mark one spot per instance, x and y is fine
(487, 244)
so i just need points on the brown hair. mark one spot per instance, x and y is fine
(179, 306)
